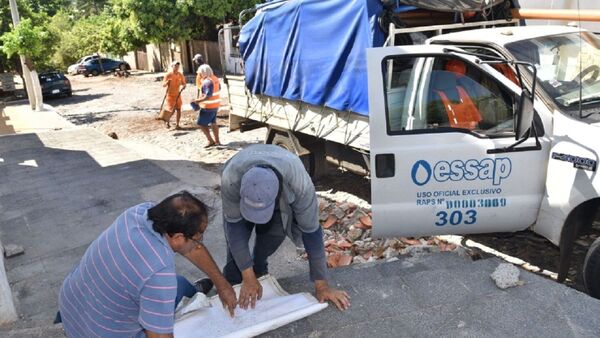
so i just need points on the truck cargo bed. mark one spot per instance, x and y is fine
(342, 127)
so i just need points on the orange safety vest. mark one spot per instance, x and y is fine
(463, 114)
(214, 101)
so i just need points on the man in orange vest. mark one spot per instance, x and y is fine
(209, 102)
(175, 83)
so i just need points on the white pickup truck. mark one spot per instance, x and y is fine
(448, 157)
(456, 145)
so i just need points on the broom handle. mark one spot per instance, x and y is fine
(164, 97)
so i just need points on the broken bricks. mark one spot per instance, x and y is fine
(347, 237)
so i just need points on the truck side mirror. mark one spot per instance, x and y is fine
(524, 115)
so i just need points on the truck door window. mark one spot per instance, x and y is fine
(445, 94)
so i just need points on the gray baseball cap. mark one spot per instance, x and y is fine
(258, 194)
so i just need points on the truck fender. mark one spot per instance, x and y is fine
(578, 222)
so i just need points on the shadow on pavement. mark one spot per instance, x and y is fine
(55, 200)
(87, 118)
(75, 99)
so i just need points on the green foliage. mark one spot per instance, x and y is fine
(224, 10)
(85, 8)
(94, 34)
(117, 37)
(62, 31)
(29, 41)
(39, 19)
(154, 20)
(50, 7)
(174, 20)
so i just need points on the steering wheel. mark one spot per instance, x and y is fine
(593, 68)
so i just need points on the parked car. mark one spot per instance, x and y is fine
(55, 83)
(93, 67)
(73, 69)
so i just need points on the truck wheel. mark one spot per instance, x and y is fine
(591, 270)
(286, 143)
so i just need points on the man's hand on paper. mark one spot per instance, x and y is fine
(338, 297)
(227, 297)
(251, 290)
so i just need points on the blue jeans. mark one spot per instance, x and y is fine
(184, 288)
(269, 237)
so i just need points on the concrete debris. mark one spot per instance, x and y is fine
(113, 135)
(419, 250)
(347, 237)
(506, 276)
(390, 252)
(339, 213)
(354, 234)
(12, 250)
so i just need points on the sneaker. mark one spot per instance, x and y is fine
(203, 285)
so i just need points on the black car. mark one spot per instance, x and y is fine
(55, 84)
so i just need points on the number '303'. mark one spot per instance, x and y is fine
(456, 217)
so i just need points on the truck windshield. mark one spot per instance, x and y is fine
(564, 62)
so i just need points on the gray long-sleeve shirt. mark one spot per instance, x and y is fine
(298, 205)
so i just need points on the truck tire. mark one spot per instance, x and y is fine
(285, 143)
(591, 270)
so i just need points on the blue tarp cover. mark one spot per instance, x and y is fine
(313, 51)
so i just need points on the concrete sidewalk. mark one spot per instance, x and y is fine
(444, 295)
(19, 118)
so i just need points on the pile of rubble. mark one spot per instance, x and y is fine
(347, 230)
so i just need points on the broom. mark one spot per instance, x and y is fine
(163, 101)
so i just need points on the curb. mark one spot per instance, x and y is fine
(8, 313)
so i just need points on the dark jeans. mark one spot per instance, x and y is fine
(269, 237)
(184, 288)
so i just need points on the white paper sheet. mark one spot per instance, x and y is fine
(275, 309)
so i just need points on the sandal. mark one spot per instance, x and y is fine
(212, 144)
(177, 127)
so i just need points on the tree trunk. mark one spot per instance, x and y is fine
(36, 88)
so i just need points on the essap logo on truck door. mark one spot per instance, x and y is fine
(487, 169)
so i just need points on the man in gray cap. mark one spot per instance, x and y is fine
(266, 188)
(198, 60)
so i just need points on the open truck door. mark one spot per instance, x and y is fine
(443, 153)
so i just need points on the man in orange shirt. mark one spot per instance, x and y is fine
(175, 83)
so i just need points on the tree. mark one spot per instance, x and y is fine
(85, 8)
(37, 12)
(117, 37)
(204, 16)
(172, 20)
(50, 7)
(154, 20)
(26, 40)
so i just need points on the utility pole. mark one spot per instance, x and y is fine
(34, 91)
